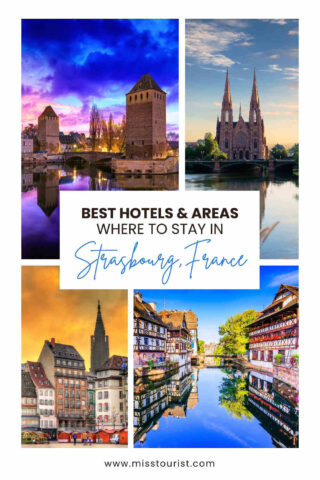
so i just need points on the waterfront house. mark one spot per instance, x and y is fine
(179, 343)
(274, 335)
(191, 323)
(150, 333)
(26, 144)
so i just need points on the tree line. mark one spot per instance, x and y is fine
(106, 133)
(207, 150)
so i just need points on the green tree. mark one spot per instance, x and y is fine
(201, 346)
(234, 333)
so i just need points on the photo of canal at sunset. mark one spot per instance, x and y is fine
(218, 369)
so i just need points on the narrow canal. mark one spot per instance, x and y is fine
(40, 200)
(278, 206)
(214, 407)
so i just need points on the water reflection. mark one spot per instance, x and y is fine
(215, 407)
(278, 207)
(40, 199)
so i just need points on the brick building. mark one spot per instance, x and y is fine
(146, 120)
(65, 369)
(48, 131)
(242, 140)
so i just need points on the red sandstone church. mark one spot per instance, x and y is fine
(242, 140)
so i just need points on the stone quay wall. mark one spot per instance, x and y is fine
(143, 166)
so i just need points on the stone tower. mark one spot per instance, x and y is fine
(242, 140)
(48, 131)
(99, 343)
(146, 120)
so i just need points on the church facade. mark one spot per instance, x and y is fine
(242, 140)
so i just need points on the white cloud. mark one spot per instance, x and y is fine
(275, 68)
(293, 32)
(279, 22)
(291, 278)
(274, 56)
(207, 41)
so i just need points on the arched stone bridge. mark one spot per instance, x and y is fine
(92, 158)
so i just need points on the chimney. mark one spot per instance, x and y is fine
(53, 342)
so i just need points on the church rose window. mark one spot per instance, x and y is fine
(241, 139)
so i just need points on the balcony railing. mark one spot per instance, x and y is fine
(150, 333)
(276, 326)
(151, 348)
(282, 342)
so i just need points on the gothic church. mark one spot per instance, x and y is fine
(242, 140)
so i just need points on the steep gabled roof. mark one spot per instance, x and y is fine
(60, 350)
(38, 375)
(114, 363)
(176, 317)
(48, 112)
(145, 311)
(146, 82)
(27, 386)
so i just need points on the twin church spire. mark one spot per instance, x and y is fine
(227, 101)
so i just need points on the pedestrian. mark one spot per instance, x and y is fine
(74, 439)
(90, 439)
(84, 437)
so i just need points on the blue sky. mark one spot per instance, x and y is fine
(72, 63)
(269, 46)
(214, 307)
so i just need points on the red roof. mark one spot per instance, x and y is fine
(38, 375)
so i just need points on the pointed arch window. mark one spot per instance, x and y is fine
(255, 116)
(226, 144)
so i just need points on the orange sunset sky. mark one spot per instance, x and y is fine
(68, 315)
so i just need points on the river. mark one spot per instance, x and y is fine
(40, 200)
(215, 408)
(278, 203)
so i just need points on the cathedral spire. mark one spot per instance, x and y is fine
(227, 93)
(99, 343)
(240, 111)
(254, 95)
(99, 329)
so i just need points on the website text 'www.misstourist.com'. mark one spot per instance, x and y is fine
(159, 464)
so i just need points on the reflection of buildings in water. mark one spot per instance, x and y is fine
(166, 397)
(26, 181)
(272, 405)
(145, 182)
(193, 397)
(48, 191)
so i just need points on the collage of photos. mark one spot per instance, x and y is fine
(210, 368)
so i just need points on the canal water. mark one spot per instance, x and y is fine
(40, 200)
(221, 408)
(278, 207)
